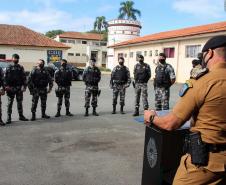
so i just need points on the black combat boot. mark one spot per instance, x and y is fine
(87, 112)
(68, 113)
(9, 120)
(114, 109)
(121, 110)
(44, 115)
(136, 113)
(33, 118)
(94, 112)
(2, 123)
(58, 114)
(22, 118)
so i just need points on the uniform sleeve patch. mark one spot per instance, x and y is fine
(187, 85)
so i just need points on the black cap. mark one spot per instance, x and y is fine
(215, 42)
(195, 62)
(140, 56)
(64, 60)
(162, 54)
(16, 56)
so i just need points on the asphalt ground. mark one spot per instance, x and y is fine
(78, 150)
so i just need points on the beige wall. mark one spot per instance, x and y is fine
(84, 50)
(181, 64)
(28, 55)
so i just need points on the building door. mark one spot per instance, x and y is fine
(104, 59)
(94, 54)
(2, 56)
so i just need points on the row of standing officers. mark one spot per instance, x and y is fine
(40, 83)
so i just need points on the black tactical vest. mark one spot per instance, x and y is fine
(162, 78)
(92, 76)
(65, 77)
(120, 75)
(41, 78)
(141, 73)
(1, 77)
(15, 75)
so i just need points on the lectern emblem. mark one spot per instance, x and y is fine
(152, 153)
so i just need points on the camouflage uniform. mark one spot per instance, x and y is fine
(38, 81)
(63, 78)
(91, 77)
(142, 74)
(195, 70)
(15, 79)
(120, 80)
(164, 73)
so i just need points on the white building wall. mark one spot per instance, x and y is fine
(181, 64)
(118, 31)
(28, 55)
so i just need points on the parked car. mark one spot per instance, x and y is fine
(77, 72)
(4, 63)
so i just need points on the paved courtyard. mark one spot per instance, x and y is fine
(78, 150)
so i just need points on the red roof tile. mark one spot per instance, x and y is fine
(21, 36)
(81, 35)
(191, 31)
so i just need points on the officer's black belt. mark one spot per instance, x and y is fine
(216, 147)
(119, 83)
(140, 81)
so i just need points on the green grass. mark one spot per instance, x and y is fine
(104, 69)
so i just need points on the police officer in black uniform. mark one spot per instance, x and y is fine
(15, 84)
(142, 73)
(120, 80)
(39, 79)
(164, 78)
(91, 77)
(63, 78)
(2, 92)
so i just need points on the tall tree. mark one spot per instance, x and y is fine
(53, 33)
(100, 24)
(127, 11)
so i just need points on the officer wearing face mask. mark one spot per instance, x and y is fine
(164, 78)
(39, 79)
(91, 77)
(2, 93)
(142, 73)
(120, 80)
(63, 78)
(203, 98)
(15, 85)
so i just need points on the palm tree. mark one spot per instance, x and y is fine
(127, 10)
(100, 24)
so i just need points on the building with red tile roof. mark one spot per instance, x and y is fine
(81, 35)
(181, 46)
(29, 44)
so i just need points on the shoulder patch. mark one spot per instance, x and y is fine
(187, 85)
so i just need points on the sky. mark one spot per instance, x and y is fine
(79, 15)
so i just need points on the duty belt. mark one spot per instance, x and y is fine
(216, 147)
(140, 81)
(119, 82)
(209, 147)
